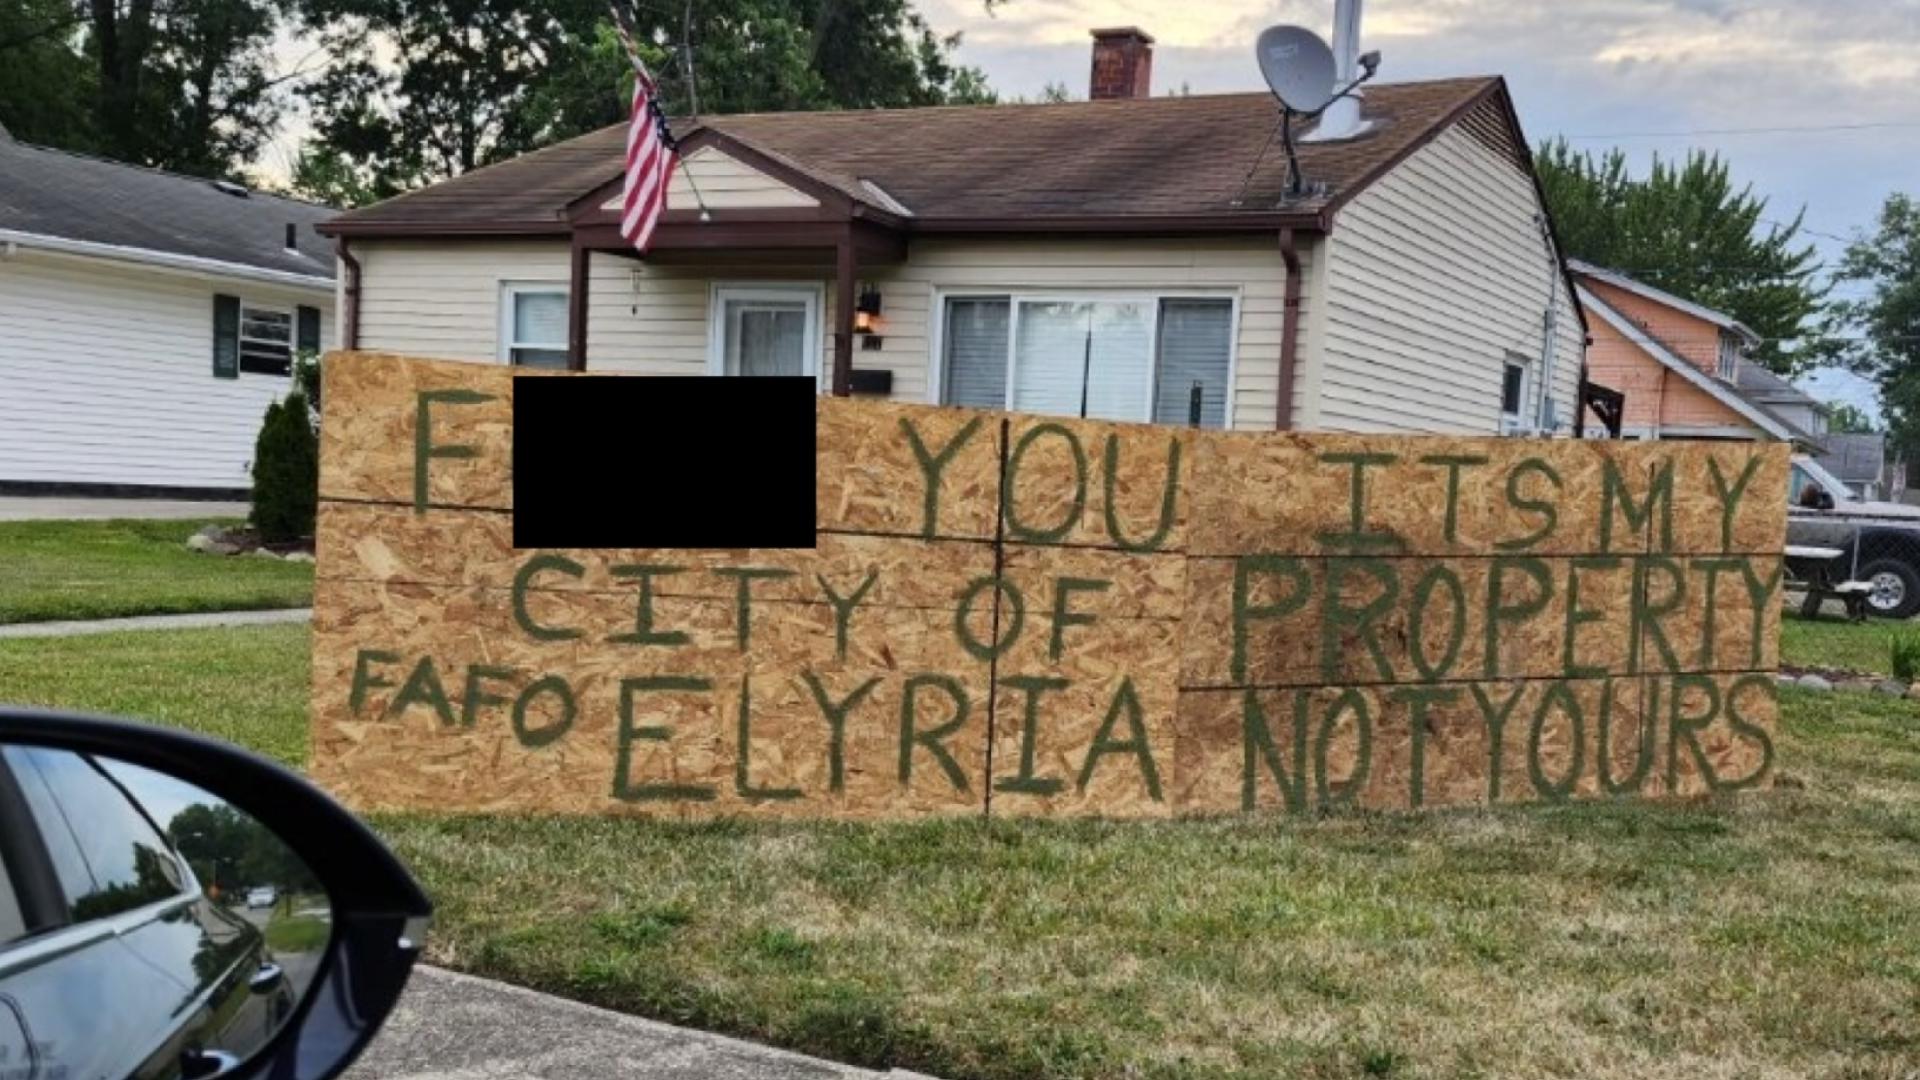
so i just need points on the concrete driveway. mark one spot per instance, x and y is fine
(450, 1026)
(70, 508)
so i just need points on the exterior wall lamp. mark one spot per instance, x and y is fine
(866, 318)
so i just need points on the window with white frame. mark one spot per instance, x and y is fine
(533, 324)
(1145, 357)
(266, 339)
(1513, 394)
(1728, 368)
(764, 329)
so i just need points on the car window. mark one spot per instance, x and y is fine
(1797, 485)
(12, 924)
(109, 857)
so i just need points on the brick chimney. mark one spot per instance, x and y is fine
(1122, 63)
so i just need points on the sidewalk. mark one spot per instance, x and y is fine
(195, 621)
(450, 1026)
(77, 508)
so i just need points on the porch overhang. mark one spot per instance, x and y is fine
(839, 234)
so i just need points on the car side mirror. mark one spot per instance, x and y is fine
(176, 830)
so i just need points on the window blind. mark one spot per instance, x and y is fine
(1196, 344)
(976, 352)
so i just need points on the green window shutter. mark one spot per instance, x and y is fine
(226, 337)
(307, 334)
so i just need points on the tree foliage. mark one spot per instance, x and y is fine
(1887, 319)
(43, 76)
(186, 85)
(473, 82)
(233, 851)
(1685, 229)
(1847, 419)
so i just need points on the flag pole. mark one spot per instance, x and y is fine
(620, 26)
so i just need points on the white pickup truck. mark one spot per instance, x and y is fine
(1876, 542)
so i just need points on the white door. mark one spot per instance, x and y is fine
(765, 330)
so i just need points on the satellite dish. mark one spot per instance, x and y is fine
(1298, 66)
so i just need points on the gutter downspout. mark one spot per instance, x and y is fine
(1550, 330)
(350, 317)
(1289, 331)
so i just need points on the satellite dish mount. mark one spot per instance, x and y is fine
(1300, 70)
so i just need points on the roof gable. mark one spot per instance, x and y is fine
(725, 183)
(1750, 411)
(1659, 296)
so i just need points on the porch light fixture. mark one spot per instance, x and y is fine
(866, 318)
(866, 311)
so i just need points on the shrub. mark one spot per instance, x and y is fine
(306, 376)
(286, 472)
(1904, 645)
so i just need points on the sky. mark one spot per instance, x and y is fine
(1601, 72)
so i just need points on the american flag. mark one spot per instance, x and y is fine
(650, 153)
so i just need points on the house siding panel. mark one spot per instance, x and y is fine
(1433, 276)
(441, 299)
(725, 183)
(1658, 400)
(108, 375)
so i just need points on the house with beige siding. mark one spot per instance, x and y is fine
(1128, 257)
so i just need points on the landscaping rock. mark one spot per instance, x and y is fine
(1816, 683)
(307, 557)
(1854, 686)
(1890, 687)
(266, 553)
(209, 545)
(1785, 679)
(1914, 691)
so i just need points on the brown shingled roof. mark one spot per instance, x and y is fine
(1167, 157)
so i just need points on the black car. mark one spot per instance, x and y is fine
(120, 955)
(93, 885)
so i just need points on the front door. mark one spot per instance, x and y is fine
(766, 330)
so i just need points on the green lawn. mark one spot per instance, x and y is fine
(297, 933)
(1832, 642)
(1770, 935)
(103, 569)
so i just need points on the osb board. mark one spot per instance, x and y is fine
(1373, 495)
(1093, 618)
(1312, 748)
(408, 714)
(1303, 621)
(372, 449)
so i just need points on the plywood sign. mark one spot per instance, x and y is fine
(1023, 615)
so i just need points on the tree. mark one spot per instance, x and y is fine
(479, 81)
(1684, 228)
(184, 85)
(1887, 319)
(45, 82)
(1846, 419)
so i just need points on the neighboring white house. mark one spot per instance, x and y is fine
(146, 322)
(1116, 257)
